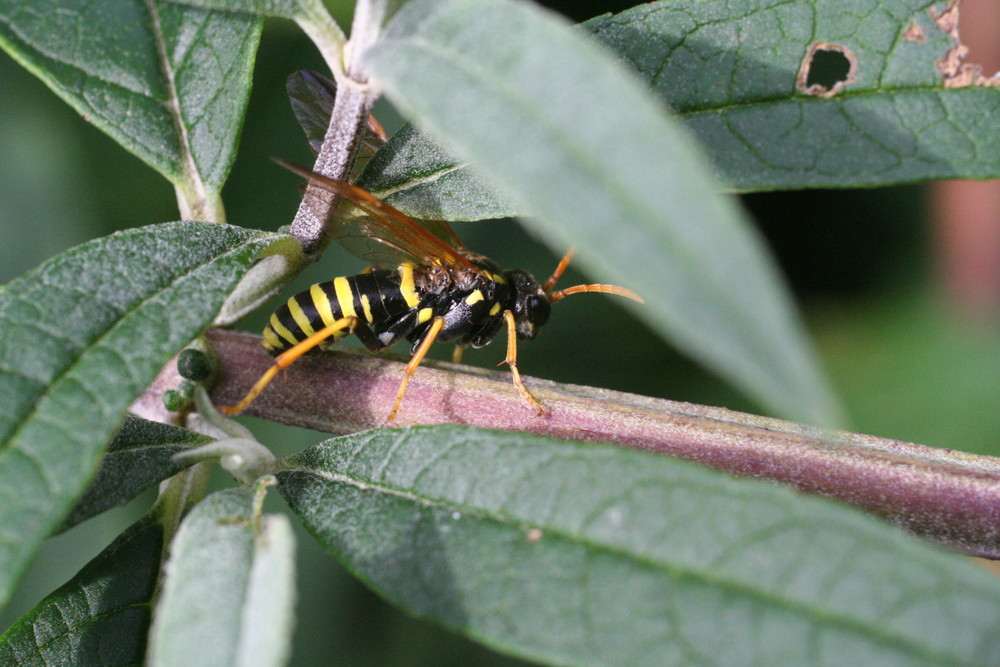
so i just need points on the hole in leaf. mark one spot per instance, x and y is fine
(979, 21)
(826, 69)
(957, 72)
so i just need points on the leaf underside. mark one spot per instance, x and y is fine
(228, 591)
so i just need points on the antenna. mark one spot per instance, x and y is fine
(576, 289)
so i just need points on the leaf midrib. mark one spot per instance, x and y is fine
(428, 176)
(189, 170)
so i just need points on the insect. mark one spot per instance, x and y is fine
(424, 286)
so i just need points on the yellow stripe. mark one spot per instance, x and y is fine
(300, 318)
(424, 315)
(345, 297)
(474, 298)
(280, 329)
(322, 304)
(495, 309)
(271, 340)
(406, 286)
(366, 307)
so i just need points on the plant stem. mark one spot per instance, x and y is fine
(355, 99)
(948, 496)
(316, 22)
(178, 494)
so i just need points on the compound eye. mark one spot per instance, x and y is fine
(538, 310)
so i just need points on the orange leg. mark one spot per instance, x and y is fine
(415, 360)
(286, 359)
(456, 355)
(511, 361)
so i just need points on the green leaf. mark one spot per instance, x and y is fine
(288, 9)
(229, 588)
(731, 70)
(99, 617)
(140, 455)
(311, 15)
(568, 134)
(83, 335)
(170, 83)
(414, 174)
(581, 553)
(312, 96)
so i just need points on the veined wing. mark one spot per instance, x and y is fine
(379, 233)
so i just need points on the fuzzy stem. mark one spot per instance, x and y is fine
(948, 496)
(353, 105)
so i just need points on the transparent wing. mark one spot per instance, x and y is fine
(378, 233)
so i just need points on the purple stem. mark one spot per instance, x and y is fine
(945, 495)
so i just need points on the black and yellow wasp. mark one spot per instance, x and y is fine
(424, 286)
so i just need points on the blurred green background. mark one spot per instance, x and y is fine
(908, 361)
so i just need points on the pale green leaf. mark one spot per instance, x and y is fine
(570, 135)
(229, 588)
(288, 9)
(83, 335)
(582, 553)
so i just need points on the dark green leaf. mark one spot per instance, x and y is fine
(414, 174)
(99, 617)
(312, 96)
(140, 455)
(170, 83)
(569, 135)
(581, 553)
(229, 588)
(83, 335)
(731, 70)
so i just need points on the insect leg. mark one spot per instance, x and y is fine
(415, 360)
(456, 354)
(286, 359)
(511, 361)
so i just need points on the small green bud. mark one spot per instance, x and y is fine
(194, 365)
(180, 398)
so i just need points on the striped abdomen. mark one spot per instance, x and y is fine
(378, 299)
